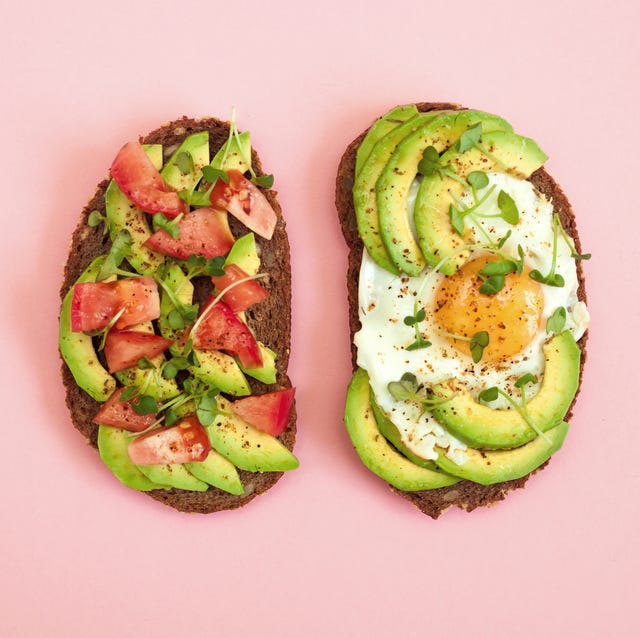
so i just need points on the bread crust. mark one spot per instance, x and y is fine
(465, 494)
(270, 320)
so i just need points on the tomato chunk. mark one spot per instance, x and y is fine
(221, 329)
(185, 442)
(123, 349)
(95, 304)
(204, 231)
(267, 412)
(244, 200)
(141, 182)
(120, 414)
(241, 296)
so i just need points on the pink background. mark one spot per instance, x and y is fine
(330, 551)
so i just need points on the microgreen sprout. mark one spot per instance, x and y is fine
(105, 331)
(408, 388)
(120, 249)
(472, 138)
(168, 225)
(491, 394)
(182, 314)
(418, 316)
(477, 342)
(568, 241)
(184, 162)
(553, 278)
(430, 164)
(556, 322)
(96, 218)
(494, 273)
(198, 265)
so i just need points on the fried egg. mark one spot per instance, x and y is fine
(515, 318)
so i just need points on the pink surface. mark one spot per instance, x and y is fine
(330, 551)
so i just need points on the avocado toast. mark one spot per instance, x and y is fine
(467, 305)
(217, 295)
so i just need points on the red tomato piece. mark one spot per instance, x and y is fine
(241, 296)
(186, 442)
(221, 329)
(120, 414)
(203, 231)
(125, 348)
(139, 296)
(266, 412)
(95, 304)
(244, 200)
(141, 182)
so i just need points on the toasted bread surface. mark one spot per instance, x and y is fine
(465, 494)
(270, 320)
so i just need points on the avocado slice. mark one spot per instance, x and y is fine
(364, 189)
(489, 467)
(123, 215)
(112, 445)
(373, 449)
(244, 253)
(196, 146)
(174, 475)
(392, 188)
(267, 372)
(217, 471)
(234, 154)
(246, 447)
(221, 371)
(482, 427)
(380, 128)
(392, 434)
(506, 152)
(77, 348)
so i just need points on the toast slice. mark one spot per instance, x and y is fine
(464, 494)
(270, 320)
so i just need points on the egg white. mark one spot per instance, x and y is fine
(386, 299)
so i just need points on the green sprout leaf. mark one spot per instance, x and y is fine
(171, 417)
(411, 320)
(175, 320)
(503, 241)
(508, 208)
(470, 138)
(430, 162)
(499, 267)
(207, 409)
(551, 279)
(489, 395)
(212, 175)
(457, 219)
(169, 225)
(96, 218)
(120, 249)
(478, 179)
(492, 285)
(478, 342)
(406, 388)
(129, 393)
(556, 322)
(264, 181)
(145, 364)
(418, 344)
(524, 379)
(145, 404)
(184, 162)
(215, 267)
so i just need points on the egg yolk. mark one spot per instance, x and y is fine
(511, 317)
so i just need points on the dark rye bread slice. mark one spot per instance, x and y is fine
(270, 320)
(465, 494)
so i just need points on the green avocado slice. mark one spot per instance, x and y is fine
(364, 189)
(77, 348)
(124, 215)
(489, 467)
(506, 152)
(217, 471)
(380, 128)
(196, 146)
(112, 445)
(392, 188)
(482, 427)
(246, 447)
(174, 475)
(374, 451)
